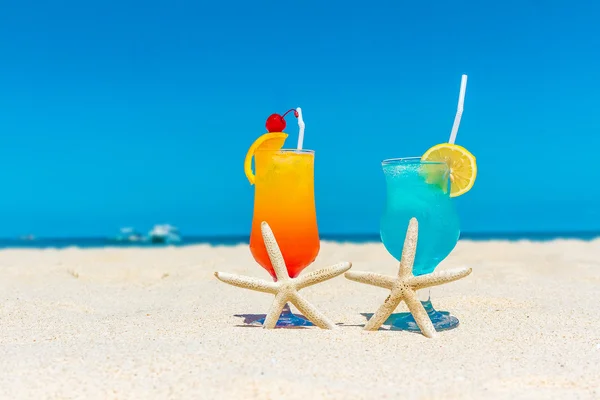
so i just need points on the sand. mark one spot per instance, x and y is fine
(155, 323)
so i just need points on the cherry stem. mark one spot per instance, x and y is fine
(291, 109)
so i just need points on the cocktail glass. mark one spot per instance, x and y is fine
(420, 189)
(284, 198)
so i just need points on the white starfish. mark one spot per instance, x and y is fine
(286, 288)
(405, 285)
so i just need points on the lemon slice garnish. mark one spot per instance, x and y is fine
(269, 141)
(463, 166)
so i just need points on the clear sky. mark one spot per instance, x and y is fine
(117, 113)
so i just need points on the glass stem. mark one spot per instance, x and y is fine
(424, 295)
(425, 298)
(286, 309)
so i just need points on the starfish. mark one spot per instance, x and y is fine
(285, 288)
(405, 285)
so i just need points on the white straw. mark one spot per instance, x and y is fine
(459, 110)
(301, 127)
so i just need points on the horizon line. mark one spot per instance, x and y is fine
(326, 236)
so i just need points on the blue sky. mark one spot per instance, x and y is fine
(117, 113)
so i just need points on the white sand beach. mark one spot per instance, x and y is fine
(157, 324)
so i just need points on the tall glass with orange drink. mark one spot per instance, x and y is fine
(283, 197)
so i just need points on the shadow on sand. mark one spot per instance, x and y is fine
(257, 320)
(389, 323)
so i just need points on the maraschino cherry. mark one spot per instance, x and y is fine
(276, 122)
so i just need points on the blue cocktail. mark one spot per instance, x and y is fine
(420, 189)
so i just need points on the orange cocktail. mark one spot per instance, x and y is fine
(284, 198)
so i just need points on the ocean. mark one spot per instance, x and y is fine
(61, 243)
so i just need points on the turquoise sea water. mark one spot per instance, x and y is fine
(419, 190)
(359, 238)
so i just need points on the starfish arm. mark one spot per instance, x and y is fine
(383, 313)
(410, 249)
(438, 278)
(275, 255)
(371, 278)
(275, 311)
(419, 314)
(311, 313)
(247, 282)
(322, 275)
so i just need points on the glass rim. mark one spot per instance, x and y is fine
(299, 151)
(411, 160)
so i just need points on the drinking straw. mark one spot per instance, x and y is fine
(301, 127)
(459, 110)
